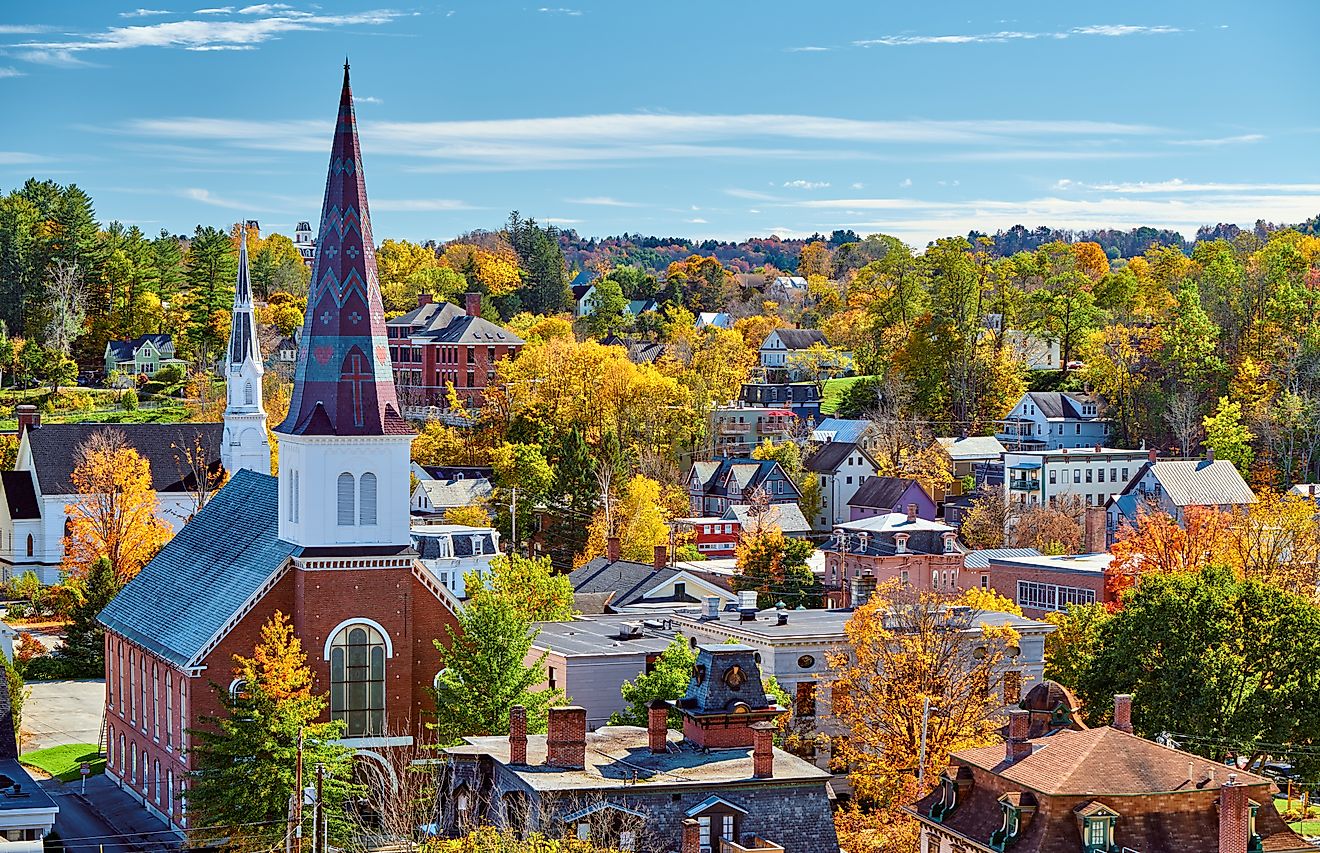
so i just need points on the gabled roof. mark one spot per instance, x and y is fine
(581, 290)
(970, 448)
(787, 517)
(449, 493)
(745, 473)
(20, 495)
(1197, 482)
(841, 429)
(203, 576)
(799, 338)
(165, 447)
(829, 456)
(627, 580)
(472, 330)
(432, 315)
(883, 492)
(126, 350)
(1064, 404)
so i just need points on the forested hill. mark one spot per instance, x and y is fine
(656, 253)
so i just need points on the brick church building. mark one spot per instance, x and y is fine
(326, 542)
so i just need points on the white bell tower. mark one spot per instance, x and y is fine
(245, 441)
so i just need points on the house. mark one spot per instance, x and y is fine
(431, 498)
(785, 517)
(638, 307)
(842, 467)
(449, 551)
(800, 398)
(1033, 351)
(724, 481)
(608, 584)
(1042, 584)
(739, 428)
(1090, 475)
(305, 243)
(719, 786)
(717, 536)
(903, 547)
(1052, 420)
(792, 287)
(713, 536)
(639, 351)
(969, 457)
(452, 472)
(34, 514)
(584, 299)
(858, 431)
(887, 495)
(714, 319)
(782, 345)
(1305, 490)
(27, 810)
(286, 351)
(439, 345)
(1173, 485)
(326, 543)
(142, 356)
(1091, 790)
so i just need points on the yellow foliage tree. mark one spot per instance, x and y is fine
(114, 514)
(496, 271)
(815, 260)
(639, 517)
(473, 515)
(1277, 539)
(756, 328)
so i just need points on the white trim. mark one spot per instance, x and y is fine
(386, 769)
(361, 744)
(359, 620)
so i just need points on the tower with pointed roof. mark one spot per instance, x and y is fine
(344, 445)
(244, 443)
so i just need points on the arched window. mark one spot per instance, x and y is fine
(29, 545)
(346, 496)
(249, 396)
(367, 498)
(357, 680)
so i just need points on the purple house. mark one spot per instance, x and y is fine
(883, 495)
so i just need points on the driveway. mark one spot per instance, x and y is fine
(60, 712)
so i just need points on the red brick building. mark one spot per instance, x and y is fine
(439, 344)
(327, 544)
(867, 552)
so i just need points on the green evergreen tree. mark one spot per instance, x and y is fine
(83, 650)
(212, 265)
(545, 279)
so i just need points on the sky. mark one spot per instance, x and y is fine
(700, 119)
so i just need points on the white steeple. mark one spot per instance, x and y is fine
(245, 442)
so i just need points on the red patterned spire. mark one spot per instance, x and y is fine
(343, 384)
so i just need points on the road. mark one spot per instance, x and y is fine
(80, 828)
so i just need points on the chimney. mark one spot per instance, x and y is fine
(1098, 447)
(657, 726)
(1017, 746)
(612, 548)
(1123, 712)
(1209, 454)
(28, 416)
(473, 301)
(763, 750)
(1234, 817)
(710, 608)
(912, 513)
(1094, 540)
(661, 559)
(1152, 454)
(517, 735)
(423, 298)
(566, 738)
(747, 605)
(691, 836)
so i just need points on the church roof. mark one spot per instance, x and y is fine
(242, 335)
(165, 447)
(343, 383)
(203, 576)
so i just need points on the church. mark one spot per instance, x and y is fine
(326, 542)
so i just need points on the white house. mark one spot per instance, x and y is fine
(842, 468)
(433, 497)
(584, 299)
(448, 551)
(718, 319)
(1050, 420)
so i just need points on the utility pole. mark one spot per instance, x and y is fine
(318, 813)
(921, 760)
(513, 516)
(298, 797)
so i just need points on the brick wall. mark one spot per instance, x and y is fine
(1004, 580)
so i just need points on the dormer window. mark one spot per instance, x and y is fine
(1096, 824)
(1017, 807)
(900, 543)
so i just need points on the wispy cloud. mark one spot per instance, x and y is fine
(574, 13)
(10, 72)
(806, 185)
(22, 29)
(808, 48)
(697, 221)
(218, 10)
(1178, 185)
(143, 13)
(418, 205)
(559, 220)
(206, 197)
(269, 9)
(906, 182)
(602, 201)
(200, 35)
(19, 158)
(1222, 140)
(1002, 36)
(367, 99)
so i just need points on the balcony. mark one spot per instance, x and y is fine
(1023, 484)
(771, 427)
(731, 428)
(753, 843)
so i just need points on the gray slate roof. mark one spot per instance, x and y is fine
(1063, 404)
(787, 517)
(974, 447)
(204, 575)
(164, 446)
(20, 494)
(444, 494)
(125, 350)
(800, 338)
(883, 493)
(829, 456)
(628, 581)
(1199, 482)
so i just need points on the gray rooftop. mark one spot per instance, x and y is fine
(817, 625)
(599, 636)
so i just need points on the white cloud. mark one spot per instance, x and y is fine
(417, 205)
(205, 197)
(22, 29)
(602, 201)
(560, 11)
(806, 185)
(858, 185)
(367, 99)
(1116, 30)
(1222, 140)
(205, 35)
(555, 220)
(906, 182)
(697, 221)
(219, 10)
(1178, 185)
(1003, 36)
(18, 158)
(810, 48)
(10, 72)
(143, 13)
(268, 9)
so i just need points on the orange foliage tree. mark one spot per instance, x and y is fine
(114, 514)
(1158, 543)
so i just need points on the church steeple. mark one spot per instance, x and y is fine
(245, 442)
(344, 384)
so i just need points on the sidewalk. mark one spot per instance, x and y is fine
(126, 815)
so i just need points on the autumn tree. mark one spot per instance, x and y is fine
(1052, 529)
(1157, 543)
(473, 515)
(638, 516)
(776, 567)
(528, 586)
(115, 512)
(247, 757)
(1277, 539)
(1228, 436)
(1073, 643)
(983, 526)
(815, 260)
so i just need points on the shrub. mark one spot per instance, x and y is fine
(170, 374)
(129, 400)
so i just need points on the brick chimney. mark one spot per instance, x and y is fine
(28, 416)
(423, 299)
(517, 735)
(1094, 540)
(661, 558)
(763, 750)
(657, 726)
(1123, 712)
(691, 836)
(473, 303)
(612, 548)
(1234, 817)
(566, 738)
(912, 513)
(1017, 746)
(1209, 454)
(1152, 454)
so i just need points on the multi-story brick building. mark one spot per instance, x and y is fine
(902, 547)
(438, 345)
(326, 543)
(1095, 791)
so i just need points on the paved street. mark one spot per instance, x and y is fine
(106, 816)
(59, 712)
(79, 826)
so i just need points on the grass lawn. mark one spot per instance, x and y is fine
(832, 393)
(63, 762)
(1306, 827)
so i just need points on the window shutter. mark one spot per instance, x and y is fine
(368, 499)
(346, 500)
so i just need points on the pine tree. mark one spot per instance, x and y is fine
(212, 265)
(84, 640)
(247, 758)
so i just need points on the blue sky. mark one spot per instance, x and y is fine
(702, 119)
